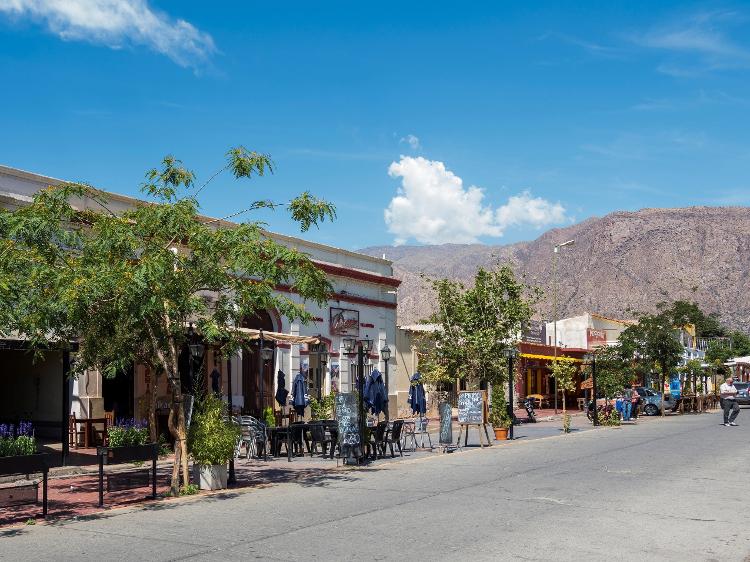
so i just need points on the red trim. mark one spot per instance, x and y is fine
(283, 346)
(346, 298)
(366, 325)
(358, 274)
(334, 354)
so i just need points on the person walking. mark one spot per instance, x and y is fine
(728, 393)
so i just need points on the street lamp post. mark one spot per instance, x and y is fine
(385, 355)
(591, 357)
(266, 354)
(362, 346)
(554, 300)
(511, 353)
(232, 478)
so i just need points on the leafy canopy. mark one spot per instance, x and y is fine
(475, 326)
(126, 284)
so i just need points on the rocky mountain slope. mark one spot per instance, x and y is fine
(621, 262)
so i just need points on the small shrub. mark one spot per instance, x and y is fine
(268, 417)
(212, 436)
(128, 432)
(31, 521)
(189, 490)
(566, 423)
(323, 409)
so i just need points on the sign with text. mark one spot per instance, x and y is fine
(472, 406)
(347, 418)
(344, 322)
(535, 332)
(596, 338)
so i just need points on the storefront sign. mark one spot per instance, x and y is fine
(344, 322)
(596, 338)
(536, 332)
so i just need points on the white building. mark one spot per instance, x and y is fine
(363, 304)
(586, 331)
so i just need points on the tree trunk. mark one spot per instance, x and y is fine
(152, 394)
(564, 411)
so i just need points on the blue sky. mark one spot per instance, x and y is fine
(423, 122)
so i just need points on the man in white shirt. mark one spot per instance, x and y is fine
(728, 393)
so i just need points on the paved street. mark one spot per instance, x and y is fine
(661, 490)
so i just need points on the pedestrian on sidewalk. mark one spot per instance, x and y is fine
(627, 404)
(635, 399)
(728, 393)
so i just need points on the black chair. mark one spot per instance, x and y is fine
(319, 435)
(379, 436)
(394, 437)
(298, 439)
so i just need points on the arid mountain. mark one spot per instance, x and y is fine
(625, 261)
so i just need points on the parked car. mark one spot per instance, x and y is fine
(651, 401)
(743, 393)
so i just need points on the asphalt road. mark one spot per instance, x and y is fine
(672, 489)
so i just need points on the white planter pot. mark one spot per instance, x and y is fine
(210, 477)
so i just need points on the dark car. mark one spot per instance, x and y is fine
(743, 393)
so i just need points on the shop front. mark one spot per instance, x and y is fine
(535, 374)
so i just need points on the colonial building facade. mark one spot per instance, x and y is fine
(362, 305)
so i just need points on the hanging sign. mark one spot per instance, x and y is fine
(344, 322)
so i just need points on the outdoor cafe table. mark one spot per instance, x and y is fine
(88, 426)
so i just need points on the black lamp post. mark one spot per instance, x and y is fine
(362, 346)
(196, 354)
(385, 355)
(511, 353)
(591, 358)
(232, 478)
(266, 354)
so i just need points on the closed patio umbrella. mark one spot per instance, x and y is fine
(281, 392)
(416, 395)
(375, 393)
(299, 394)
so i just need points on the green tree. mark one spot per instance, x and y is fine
(612, 371)
(652, 341)
(125, 285)
(564, 373)
(682, 313)
(475, 326)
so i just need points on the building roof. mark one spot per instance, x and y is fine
(130, 201)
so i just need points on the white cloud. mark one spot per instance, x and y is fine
(412, 141)
(432, 206)
(118, 23)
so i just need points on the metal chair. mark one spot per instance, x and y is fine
(420, 429)
(393, 437)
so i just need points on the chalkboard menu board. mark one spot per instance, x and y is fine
(446, 423)
(471, 407)
(348, 419)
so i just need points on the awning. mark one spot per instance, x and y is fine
(588, 384)
(551, 357)
(253, 334)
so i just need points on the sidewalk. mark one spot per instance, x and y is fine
(73, 491)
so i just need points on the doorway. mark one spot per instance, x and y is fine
(118, 393)
(257, 390)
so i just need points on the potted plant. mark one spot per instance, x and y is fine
(499, 417)
(211, 442)
(18, 450)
